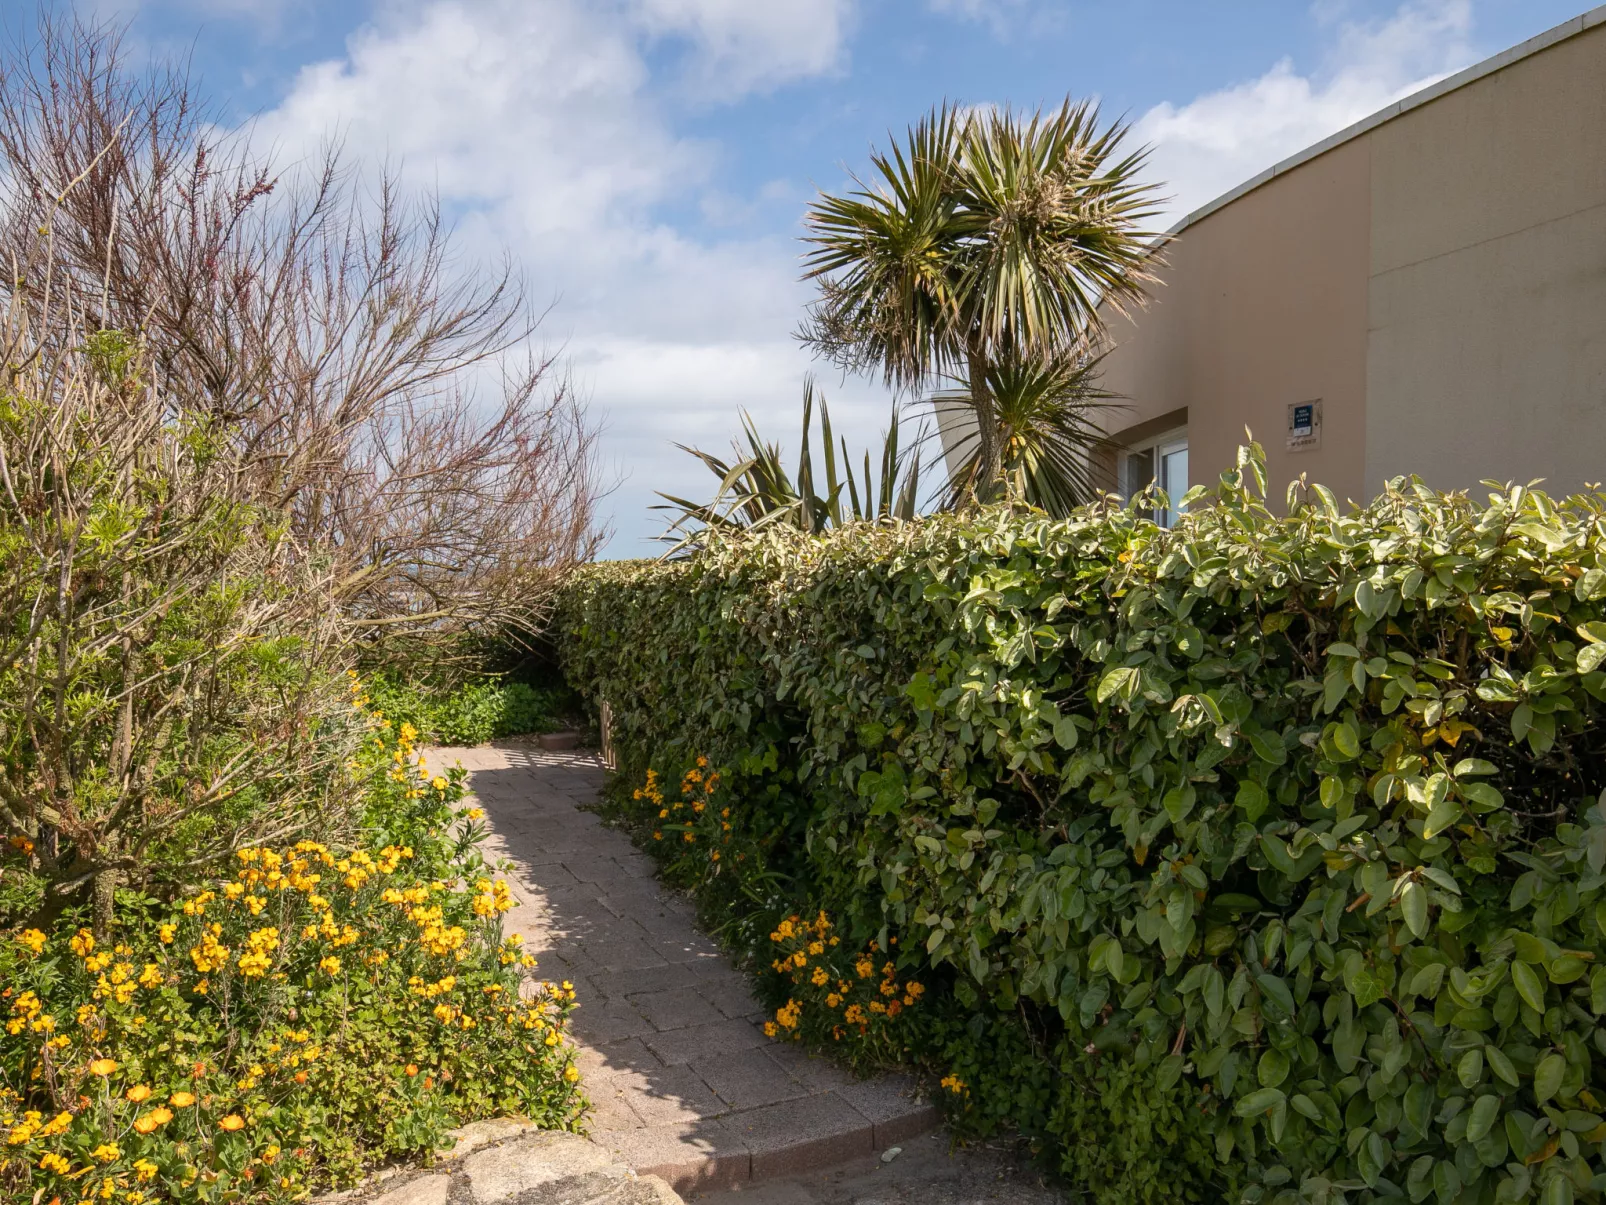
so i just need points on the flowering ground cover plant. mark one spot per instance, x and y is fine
(308, 1012)
(1259, 859)
(836, 995)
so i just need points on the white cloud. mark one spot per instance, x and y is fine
(742, 45)
(542, 130)
(1220, 139)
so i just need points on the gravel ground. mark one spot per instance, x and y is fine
(924, 1173)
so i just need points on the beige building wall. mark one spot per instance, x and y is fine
(1487, 346)
(1260, 304)
(1437, 279)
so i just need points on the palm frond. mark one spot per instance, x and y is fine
(983, 237)
(756, 489)
(1048, 430)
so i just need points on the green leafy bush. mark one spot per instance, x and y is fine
(472, 712)
(307, 1013)
(170, 656)
(1262, 858)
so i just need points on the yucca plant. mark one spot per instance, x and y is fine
(986, 236)
(755, 489)
(1045, 414)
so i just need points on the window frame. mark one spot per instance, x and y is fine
(1158, 445)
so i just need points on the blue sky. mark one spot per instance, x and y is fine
(647, 161)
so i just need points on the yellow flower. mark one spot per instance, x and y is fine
(33, 939)
(953, 1083)
(52, 1162)
(102, 1067)
(330, 965)
(106, 1152)
(145, 1170)
(138, 1093)
(82, 943)
(232, 1122)
(571, 1073)
(166, 932)
(211, 954)
(181, 1099)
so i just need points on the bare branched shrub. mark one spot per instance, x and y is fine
(169, 655)
(380, 392)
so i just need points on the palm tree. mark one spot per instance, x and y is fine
(1044, 422)
(987, 236)
(756, 490)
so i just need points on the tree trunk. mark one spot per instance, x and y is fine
(105, 898)
(985, 481)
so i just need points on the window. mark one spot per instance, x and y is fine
(1162, 461)
(1172, 458)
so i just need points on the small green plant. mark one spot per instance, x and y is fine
(472, 712)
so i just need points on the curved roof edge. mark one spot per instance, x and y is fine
(1560, 33)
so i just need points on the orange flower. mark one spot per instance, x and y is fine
(412, 1070)
(102, 1067)
(138, 1093)
(232, 1122)
(182, 1099)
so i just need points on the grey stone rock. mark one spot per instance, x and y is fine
(529, 1171)
(483, 1133)
(426, 1190)
(647, 1190)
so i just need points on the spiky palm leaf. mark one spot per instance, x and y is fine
(1047, 426)
(756, 490)
(984, 234)
(883, 255)
(1060, 220)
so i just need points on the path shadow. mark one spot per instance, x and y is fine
(683, 1079)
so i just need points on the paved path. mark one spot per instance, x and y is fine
(926, 1171)
(686, 1085)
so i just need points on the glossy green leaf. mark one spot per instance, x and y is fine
(1548, 1074)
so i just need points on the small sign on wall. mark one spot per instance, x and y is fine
(1304, 425)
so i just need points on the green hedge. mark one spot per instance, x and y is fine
(1260, 859)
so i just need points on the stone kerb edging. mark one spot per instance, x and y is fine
(509, 1161)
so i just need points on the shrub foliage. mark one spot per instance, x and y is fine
(310, 1011)
(471, 712)
(1260, 858)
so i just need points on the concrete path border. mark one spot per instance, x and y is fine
(685, 1084)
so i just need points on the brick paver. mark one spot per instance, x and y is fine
(686, 1085)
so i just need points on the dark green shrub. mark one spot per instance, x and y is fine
(1279, 833)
